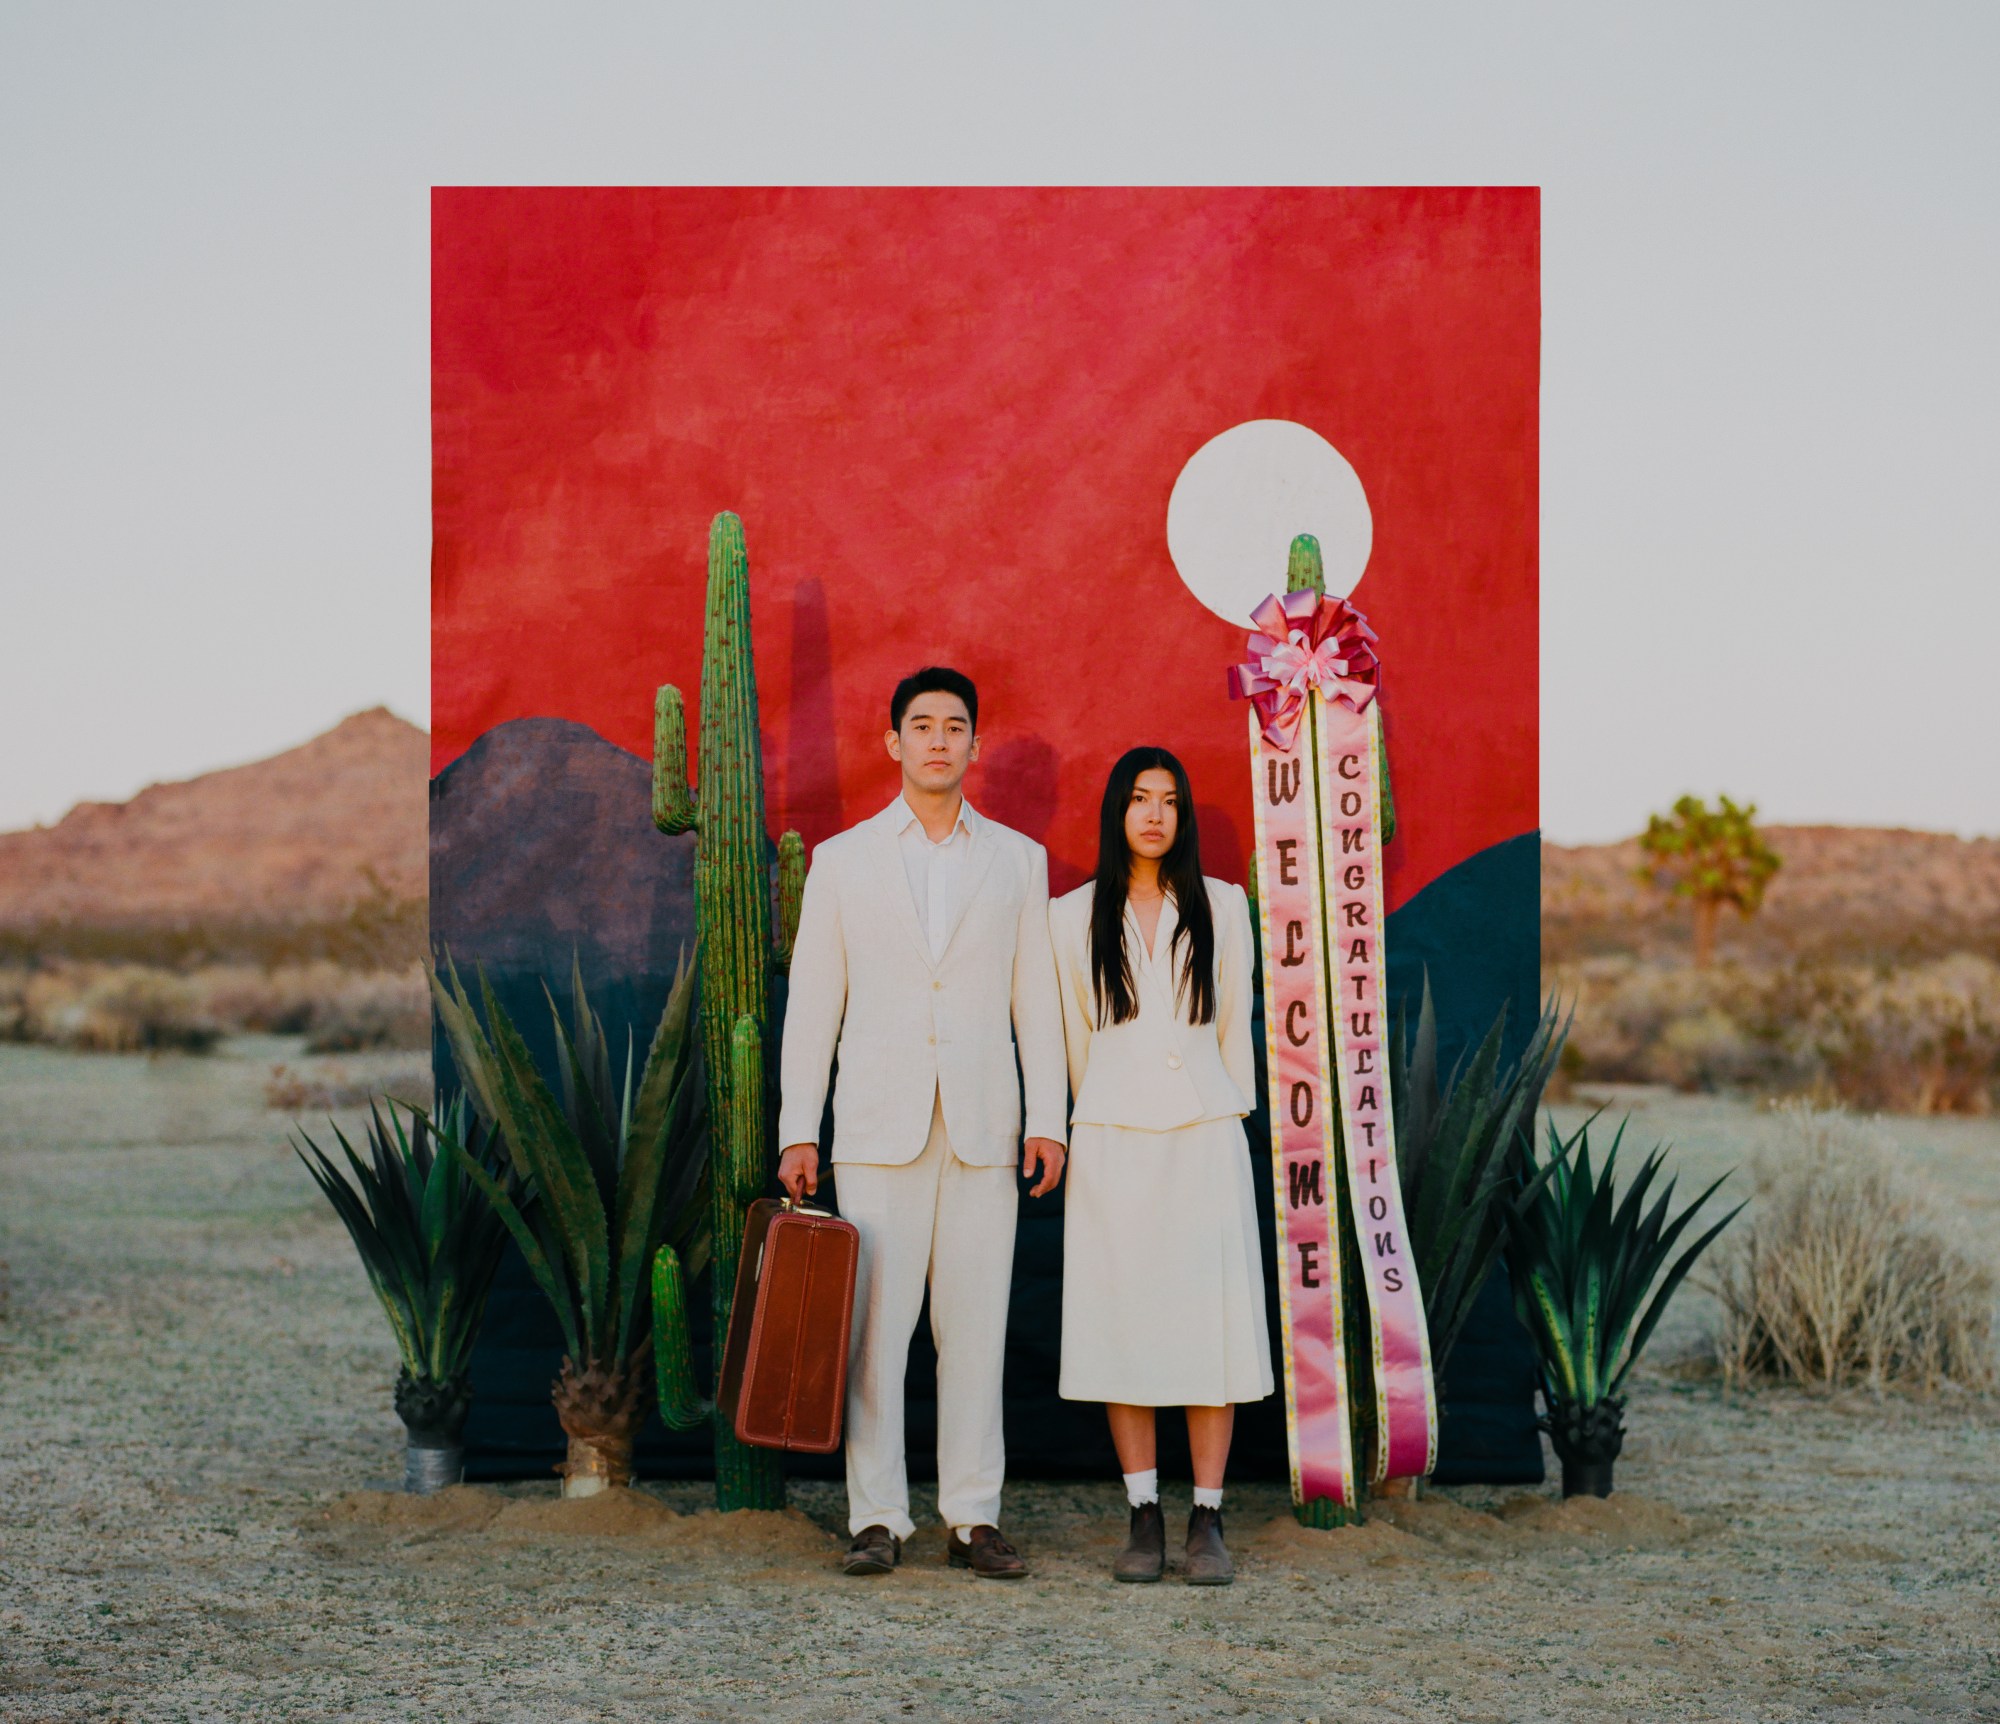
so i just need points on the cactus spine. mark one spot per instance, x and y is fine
(736, 952)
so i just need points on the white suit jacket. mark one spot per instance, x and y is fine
(1157, 1071)
(910, 1029)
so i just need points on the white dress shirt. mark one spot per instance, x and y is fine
(936, 869)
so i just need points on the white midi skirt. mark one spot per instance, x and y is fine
(1163, 1281)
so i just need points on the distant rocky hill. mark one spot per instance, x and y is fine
(1842, 891)
(306, 835)
(300, 837)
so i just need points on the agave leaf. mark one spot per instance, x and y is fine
(585, 1118)
(562, 1175)
(470, 1051)
(640, 1176)
(1583, 1255)
(666, 1059)
(376, 1261)
(1668, 1283)
(539, 1266)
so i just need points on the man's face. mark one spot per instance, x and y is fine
(935, 743)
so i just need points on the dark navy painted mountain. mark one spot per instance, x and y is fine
(542, 845)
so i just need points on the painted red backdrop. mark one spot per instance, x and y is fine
(951, 420)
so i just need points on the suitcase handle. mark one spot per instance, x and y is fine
(788, 1207)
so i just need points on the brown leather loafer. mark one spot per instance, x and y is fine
(987, 1554)
(1144, 1557)
(875, 1550)
(1208, 1561)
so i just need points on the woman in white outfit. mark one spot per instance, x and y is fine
(1163, 1282)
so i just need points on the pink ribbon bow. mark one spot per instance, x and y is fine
(1304, 641)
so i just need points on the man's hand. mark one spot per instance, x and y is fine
(1050, 1155)
(798, 1171)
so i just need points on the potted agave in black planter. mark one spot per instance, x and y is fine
(1581, 1258)
(430, 1243)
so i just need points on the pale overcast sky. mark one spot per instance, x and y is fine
(1771, 551)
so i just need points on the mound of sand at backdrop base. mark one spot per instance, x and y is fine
(1399, 1531)
(457, 1508)
(1374, 1544)
(770, 1535)
(610, 1514)
(1620, 1521)
(1441, 1522)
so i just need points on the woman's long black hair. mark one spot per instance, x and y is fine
(1180, 874)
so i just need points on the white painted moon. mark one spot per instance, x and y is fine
(1245, 495)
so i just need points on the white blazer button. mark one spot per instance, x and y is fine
(939, 986)
(1173, 1062)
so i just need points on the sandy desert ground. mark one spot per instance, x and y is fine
(195, 1421)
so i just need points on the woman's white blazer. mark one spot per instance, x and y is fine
(1157, 1071)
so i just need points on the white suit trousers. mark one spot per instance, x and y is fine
(939, 1220)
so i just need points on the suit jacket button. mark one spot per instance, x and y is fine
(939, 986)
(1173, 1062)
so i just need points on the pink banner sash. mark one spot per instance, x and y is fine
(1405, 1392)
(1300, 1081)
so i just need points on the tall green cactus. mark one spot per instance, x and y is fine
(736, 952)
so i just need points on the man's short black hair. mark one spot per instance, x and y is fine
(934, 679)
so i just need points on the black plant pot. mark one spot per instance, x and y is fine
(1586, 1441)
(433, 1416)
(1587, 1478)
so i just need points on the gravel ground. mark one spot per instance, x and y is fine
(195, 1426)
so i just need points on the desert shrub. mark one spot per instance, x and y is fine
(337, 1010)
(1922, 1039)
(289, 1090)
(373, 1009)
(118, 1008)
(1640, 1021)
(1919, 1038)
(1849, 1269)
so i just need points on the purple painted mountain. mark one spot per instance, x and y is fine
(543, 844)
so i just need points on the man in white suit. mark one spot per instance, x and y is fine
(923, 958)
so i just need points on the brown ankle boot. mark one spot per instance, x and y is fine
(1208, 1561)
(1145, 1554)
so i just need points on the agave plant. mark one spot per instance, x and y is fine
(430, 1242)
(1582, 1259)
(606, 1175)
(1456, 1149)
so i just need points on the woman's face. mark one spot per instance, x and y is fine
(1153, 816)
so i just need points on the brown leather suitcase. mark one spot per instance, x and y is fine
(784, 1371)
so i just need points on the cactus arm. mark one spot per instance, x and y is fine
(682, 1406)
(1385, 795)
(791, 895)
(747, 1169)
(673, 804)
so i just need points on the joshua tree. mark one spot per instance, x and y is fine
(1713, 857)
(736, 955)
(605, 1175)
(430, 1243)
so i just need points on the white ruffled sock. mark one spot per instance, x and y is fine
(1208, 1498)
(1142, 1488)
